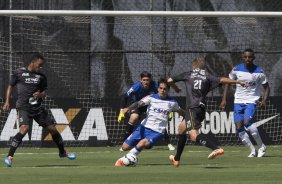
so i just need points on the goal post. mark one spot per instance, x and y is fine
(94, 56)
(140, 13)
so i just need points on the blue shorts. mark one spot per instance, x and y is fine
(244, 111)
(142, 132)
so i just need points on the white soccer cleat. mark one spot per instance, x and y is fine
(261, 151)
(170, 147)
(120, 149)
(252, 155)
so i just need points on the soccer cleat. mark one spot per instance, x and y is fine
(119, 163)
(170, 147)
(8, 161)
(70, 156)
(252, 155)
(215, 153)
(174, 162)
(261, 151)
(120, 149)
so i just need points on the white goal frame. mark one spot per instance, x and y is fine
(140, 13)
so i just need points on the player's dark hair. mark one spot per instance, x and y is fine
(249, 50)
(145, 74)
(37, 56)
(163, 81)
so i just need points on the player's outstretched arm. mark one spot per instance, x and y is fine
(173, 85)
(225, 80)
(134, 106)
(224, 96)
(6, 105)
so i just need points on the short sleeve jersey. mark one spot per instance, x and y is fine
(198, 83)
(158, 112)
(137, 92)
(28, 83)
(253, 76)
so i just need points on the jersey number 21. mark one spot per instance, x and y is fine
(197, 84)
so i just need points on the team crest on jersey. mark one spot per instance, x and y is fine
(25, 74)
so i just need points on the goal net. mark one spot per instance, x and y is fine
(91, 61)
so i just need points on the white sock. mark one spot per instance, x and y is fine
(254, 132)
(246, 141)
(134, 151)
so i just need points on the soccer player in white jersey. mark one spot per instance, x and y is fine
(152, 128)
(246, 100)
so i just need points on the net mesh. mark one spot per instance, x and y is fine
(91, 61)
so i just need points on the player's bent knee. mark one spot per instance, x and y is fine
(24, 129)
(193, 135)
(193, 138)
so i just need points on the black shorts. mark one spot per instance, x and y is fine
(41, 117)
(194, 118)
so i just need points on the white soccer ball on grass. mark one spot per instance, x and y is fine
(129, 160)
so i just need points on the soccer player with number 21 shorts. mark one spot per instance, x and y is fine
(31, 87)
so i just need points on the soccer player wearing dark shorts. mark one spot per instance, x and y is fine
(31, 87)
(198, 83)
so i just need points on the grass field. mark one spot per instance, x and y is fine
(96, 165)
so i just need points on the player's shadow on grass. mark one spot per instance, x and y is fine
(164, 164)
(272, 156)
(53, 165)
(214, 167)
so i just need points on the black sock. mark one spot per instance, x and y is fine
(166, 137)
(128, 130)
(15, 143)
(201, 139)
(180, 146)
(57, 138)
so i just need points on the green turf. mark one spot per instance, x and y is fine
(96, 165)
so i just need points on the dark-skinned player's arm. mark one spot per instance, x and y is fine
(266, 91)
(224, 96)
(6, 105)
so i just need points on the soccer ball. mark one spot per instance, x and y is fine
(129, 160)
